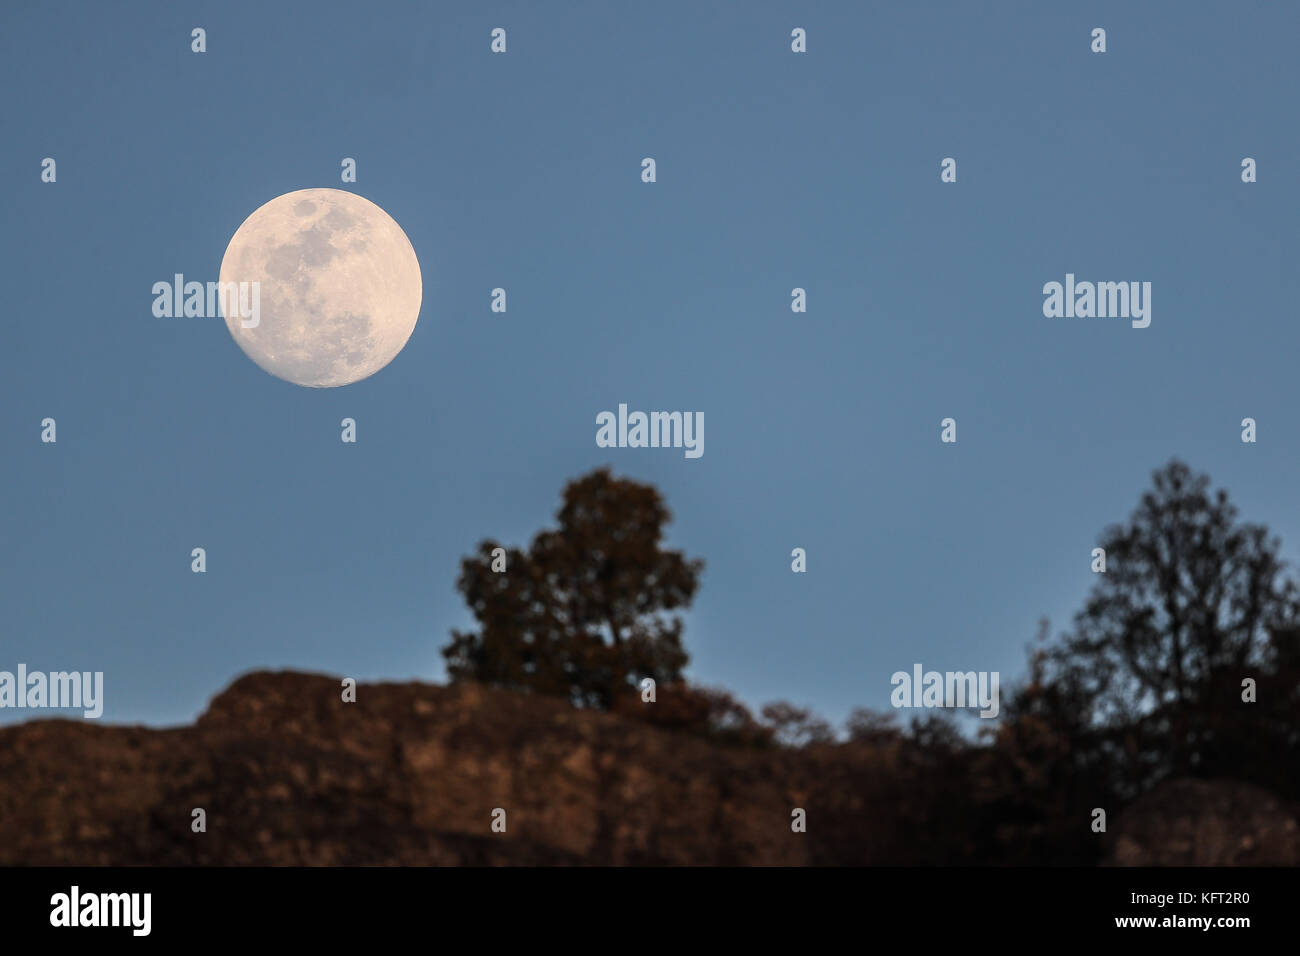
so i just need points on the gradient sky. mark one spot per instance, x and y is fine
(523, 171)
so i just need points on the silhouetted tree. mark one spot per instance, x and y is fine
(1049, 765)
(865, 726)
(580, 614)
(796, 726)
(1189, 606)
(1148, 683)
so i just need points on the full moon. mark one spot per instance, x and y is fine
(339, 287)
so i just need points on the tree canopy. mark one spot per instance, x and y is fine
(1155, 678)
(583, 612)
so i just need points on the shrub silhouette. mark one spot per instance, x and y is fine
(796, 726)
(704, 711)
(581, 613)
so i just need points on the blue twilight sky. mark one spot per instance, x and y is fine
(522, 170)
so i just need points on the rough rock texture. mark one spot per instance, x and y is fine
(409, 774)
(1205, 823)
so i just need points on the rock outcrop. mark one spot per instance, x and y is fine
(287, 773)
(413, 774)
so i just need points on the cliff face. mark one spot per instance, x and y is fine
(411, 774)
(408, 774)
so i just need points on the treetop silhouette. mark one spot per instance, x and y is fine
(582, 613)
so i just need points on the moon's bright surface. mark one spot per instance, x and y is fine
(339, 292)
